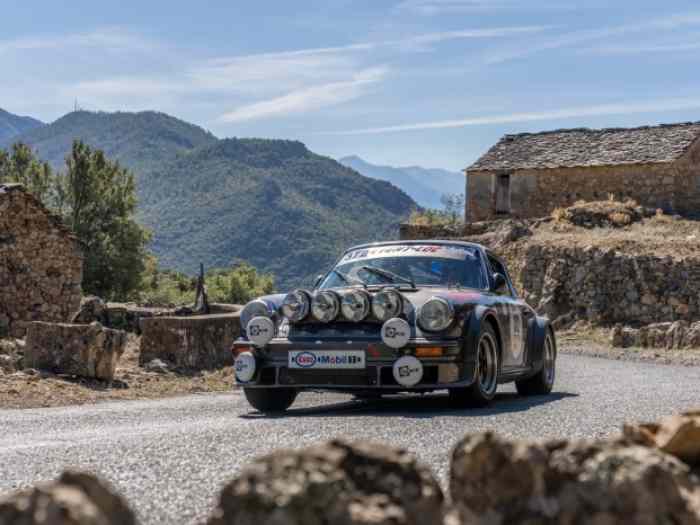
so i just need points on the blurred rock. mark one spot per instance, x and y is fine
(495, 481)
(676, 435)
(74, 499)
(339, 482)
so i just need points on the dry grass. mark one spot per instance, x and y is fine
(659, 235)
(40, 389)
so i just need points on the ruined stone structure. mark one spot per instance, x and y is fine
(201, 342)
(531, 174)
(41, 263)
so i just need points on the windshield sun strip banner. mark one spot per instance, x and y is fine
(459, 253)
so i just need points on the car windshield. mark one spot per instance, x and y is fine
(407, 265)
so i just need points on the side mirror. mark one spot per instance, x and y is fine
(318, 279)
(499, 282)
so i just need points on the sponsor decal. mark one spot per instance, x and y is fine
(392, 332)
(328, 359)
(257, 330)
(412, 250)
(408, 371)
(245, 367)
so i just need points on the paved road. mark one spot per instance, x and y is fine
(170, 457)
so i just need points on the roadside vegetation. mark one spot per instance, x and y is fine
(452, 213)
(236, 285)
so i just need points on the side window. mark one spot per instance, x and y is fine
(497, 267)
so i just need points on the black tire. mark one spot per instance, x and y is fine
(482, 392)
(270, 400)
(542, 383)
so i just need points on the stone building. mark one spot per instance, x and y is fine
(41, 263)
(531, 174)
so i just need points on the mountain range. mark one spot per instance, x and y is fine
(12, 125)
(424, 185)
(273, 203)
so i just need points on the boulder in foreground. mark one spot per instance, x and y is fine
(339, 482)
(496, 481)
(90, 351)
(74, 499)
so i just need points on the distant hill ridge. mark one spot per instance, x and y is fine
(271, 202)
(424, 185)
(140, 141)
(12, 125)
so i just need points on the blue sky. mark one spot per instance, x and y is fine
(402, 82)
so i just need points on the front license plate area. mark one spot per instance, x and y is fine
(327, 359)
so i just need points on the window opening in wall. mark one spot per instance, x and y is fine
(503, 193)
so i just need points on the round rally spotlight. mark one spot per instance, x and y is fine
(296, 305)
(408, 371)
(325, 306)
(387, 304)
(355, 305)
(245, 367)
(260, 330)
(396, 333)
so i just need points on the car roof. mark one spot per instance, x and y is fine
(415, 242)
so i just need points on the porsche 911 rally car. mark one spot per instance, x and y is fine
(405, 316)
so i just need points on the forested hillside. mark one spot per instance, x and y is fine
(271, 202)
(141, 141)
(13, 125)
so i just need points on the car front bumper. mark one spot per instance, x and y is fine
(454, 369)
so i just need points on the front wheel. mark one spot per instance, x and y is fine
(482, 392)
(541, 383)
(270, 399)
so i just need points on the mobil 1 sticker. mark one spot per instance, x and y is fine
(327, 359)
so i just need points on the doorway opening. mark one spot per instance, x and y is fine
(503, 193)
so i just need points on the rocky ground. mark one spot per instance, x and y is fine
(595, 342)
(35, 388)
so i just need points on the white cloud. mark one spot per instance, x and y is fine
(672, 104)
(110, 38)
(441, 7)
(643, 48)
(309, 98)
(666, 23)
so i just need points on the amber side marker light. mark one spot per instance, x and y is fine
(429, 351)
(239, 350)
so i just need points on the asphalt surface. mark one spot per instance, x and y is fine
(171, 457)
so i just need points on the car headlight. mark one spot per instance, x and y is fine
(387, 304)
(355, 305)
(256, 308)
(295, 306)
(325, 306)
(435, 315)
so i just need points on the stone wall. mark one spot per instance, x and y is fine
(604, 286)
(40, 263)
(199, 342)
(673, 187)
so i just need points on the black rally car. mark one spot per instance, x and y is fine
(405, 316)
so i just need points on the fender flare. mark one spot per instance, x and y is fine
(472, 330)
(538, 330)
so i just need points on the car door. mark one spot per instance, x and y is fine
(514, 316)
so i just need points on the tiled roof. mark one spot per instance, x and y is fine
(583, 147)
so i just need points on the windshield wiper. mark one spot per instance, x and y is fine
(347, 279)
(389, 275)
